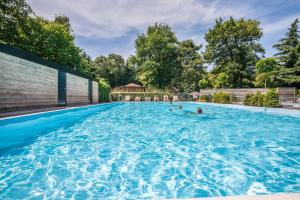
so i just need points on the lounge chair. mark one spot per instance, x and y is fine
(156, 98)
(147, 99)
(175, 98)
(166, 98)
(127, 98)
(137, 99)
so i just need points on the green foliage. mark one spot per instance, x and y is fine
(233, 46)
(206, 98)
(286, 45)
(114, 69)
(254, 99)
(192, 67)
(221, 97)
(157, 54)
(203, 83)
(266, 65)
(51, 40)
(265, 71)
(104, 91)
(222, 78)
(64, 20)
(270, 99)
(13, 16)
(289, 57)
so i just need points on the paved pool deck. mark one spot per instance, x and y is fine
(290, 196)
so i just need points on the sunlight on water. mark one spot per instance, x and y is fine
(146, 151)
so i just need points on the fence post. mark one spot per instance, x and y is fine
(295, 100)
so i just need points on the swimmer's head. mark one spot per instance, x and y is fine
(199, 110)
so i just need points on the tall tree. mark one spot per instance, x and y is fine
(192, 66)
(288, 56)
(51, 40)
(113, 68)
(233, 47)
(157, 54)
(13, 16)
(287, 45)
(64, 20)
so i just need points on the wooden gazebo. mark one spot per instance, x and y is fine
(131, 87)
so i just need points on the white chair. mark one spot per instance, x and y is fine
(127, 98)
(175, 98)
(137, 98)
(166, 98)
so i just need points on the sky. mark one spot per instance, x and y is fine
(111, 26)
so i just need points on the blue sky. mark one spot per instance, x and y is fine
(111, 26)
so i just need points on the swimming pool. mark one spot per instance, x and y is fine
(145, 151)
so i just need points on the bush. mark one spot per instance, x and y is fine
(221, 97)
(206, 98)
(271, 99)
(254, 99)
(104, 91)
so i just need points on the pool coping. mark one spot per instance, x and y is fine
(279, 111)
(283, 196)
(54, 109)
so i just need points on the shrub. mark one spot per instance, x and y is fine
(271, 99)
(254, 99)
(104, 91)
(249, 99)
(221, 97)
(206, 98)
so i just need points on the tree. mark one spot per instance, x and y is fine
(233, 47)
(203, 83)
(264, 69)
(13, 16)
(287, 45)
(289, 56)
(157, 54)
(114, 69)
(64, 20)
(51, 40)
(222, 79)
(192, 66)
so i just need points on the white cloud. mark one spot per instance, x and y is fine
(280, 25)
(115, 18)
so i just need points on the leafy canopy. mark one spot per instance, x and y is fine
(233, 47)
(157, 54)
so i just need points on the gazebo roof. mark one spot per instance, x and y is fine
(132, 85)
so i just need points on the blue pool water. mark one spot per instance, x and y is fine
(146, 151)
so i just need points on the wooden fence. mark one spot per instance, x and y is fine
(286, 94)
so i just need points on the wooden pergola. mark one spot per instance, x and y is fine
(131, 87)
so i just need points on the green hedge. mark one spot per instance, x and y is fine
(206, 98)
(104, 91)
(271, 99)
(221, 97)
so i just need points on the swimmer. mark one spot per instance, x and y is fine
(199, 110)
(180, 107)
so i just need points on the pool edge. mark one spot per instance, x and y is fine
(283, 196)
